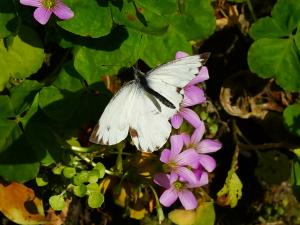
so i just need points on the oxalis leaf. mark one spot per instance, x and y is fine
(275, 52)
(91, 18)
(23, 57)
(6, 17)
(291, 116)
(203, 215)
(231, 191)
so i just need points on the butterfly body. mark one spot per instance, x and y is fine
(143, 107)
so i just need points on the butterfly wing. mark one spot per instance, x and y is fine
(169, 78)
(179, 72)
(113, 124)
(149, 126)
(147, 119)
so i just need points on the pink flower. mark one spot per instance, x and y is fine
(177, 161)
(193, 95)
(46, 7)
(175, 189)
(202, 146)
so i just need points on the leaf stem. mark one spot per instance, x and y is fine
(251, 9)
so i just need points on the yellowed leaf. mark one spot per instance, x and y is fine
(19, 204)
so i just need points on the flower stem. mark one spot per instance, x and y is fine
(160, 213)
(251, 9)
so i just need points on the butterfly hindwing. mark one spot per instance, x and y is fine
(113, 124)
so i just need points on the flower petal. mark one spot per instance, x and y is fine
(186, 139)
(165, 155)
(176, 146)
(202, 76)
(176, 121)
(180, 54)
(186, 174)
(190, 116)
(187, 199)
(62, 11)
(193, 96)
(208, 145)
(207, 162)
(168, 197)
(34, 3)
(163, 180)
(187, 157)
(42, 15)
(203, 180)
(198, 133)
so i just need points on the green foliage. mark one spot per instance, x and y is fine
(21, 57)
(7, 16)
(95, 199)
(203, 215)
(291, 117)
(57, 202)
(275, 52)
(83, 23)
(232, 189)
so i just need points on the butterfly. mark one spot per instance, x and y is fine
(143, 106)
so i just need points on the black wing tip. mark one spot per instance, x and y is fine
(204, 57)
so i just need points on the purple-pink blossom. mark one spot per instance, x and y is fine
(44, 9)
(177, 160)
(175, 189)
(193, 95)
(202, 146)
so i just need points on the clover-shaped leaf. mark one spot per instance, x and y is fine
(275, 52)
(91, 18)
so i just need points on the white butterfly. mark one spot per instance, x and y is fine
(144, 106)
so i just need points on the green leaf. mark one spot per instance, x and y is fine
(92, 187)
(291, 116)
(58, 169)
(69, 79)
(295, 171)
(9, 132)
(142, 16)
(101, 169)
(232, 190)
(297, 37)
(41, 180)
(69, 172)
(22, 96)
(91, 18)
(57, 104)
(80, 178)
(267, 27)
(108, 54)
(276, 57)
(286, 13)
(95, 199)
(22, 58)
(93, 176)
(43, 139)
(203, 215)
(192, 24)
(7, 14)
(57, 202)
(18, 162)
(275, 53)
(80, 190)
(6, 107)
(161, 49)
